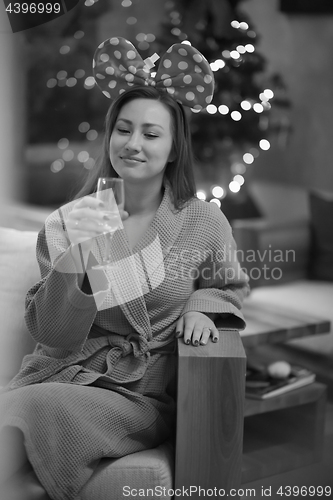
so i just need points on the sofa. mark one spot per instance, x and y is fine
(290, 264)
(207, 449)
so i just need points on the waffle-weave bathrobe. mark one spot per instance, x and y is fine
(101, 380)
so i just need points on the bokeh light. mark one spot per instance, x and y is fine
(63, 143)
(234, 187)
(264, 144)
(218, 191)
(248, 158)
(216, 201)
(201, 195)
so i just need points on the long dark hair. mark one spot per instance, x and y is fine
(178, 173)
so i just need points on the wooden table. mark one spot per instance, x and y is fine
(267, 324)
(287, 431)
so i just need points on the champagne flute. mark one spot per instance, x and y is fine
(110, 190)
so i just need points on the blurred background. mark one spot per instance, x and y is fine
(263, 150)
(266, 137)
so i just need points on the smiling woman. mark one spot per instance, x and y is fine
(142, 138)
(101, 381)
(163, 117)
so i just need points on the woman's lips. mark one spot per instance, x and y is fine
(131, 159)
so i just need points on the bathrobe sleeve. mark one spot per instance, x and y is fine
(58, 312)
(222, 284)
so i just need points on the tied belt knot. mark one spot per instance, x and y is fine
(136, 344)
(139, 346)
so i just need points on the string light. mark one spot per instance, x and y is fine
(216, 201)
(92, 135)
(201, 195)
(236, 116)
(223, 109)
(220, 63)
(83, 156)
(57, 165)
(71, 82)
(269, 93)
(246, 105)
(249, 47)
(52, 82)
(264, 144)
(68, 155)
(84, 127)
(63, 143)
(79, 34)
(238, 168)
(131, 20)
(79, 73)
(235, 54)
(234, 187)
(218, 191)
(258, 108)
(211, 109)
(241, 49)
(143, 45)
(61, 75)
(89, 163)
(214, 66)
(64, 49)
(239, 179)
(89, 82)
(176, 31)
(248, 158)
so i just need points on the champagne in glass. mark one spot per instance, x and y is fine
(110, 190)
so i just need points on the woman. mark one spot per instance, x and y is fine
(101, 381)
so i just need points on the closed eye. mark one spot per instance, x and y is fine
(151, 136)
(123, 130)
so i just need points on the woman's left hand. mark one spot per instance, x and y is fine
(196, 328)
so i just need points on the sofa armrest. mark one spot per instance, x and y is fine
(210, 409)
(273, 252)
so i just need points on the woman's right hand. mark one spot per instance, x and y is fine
(88, 220)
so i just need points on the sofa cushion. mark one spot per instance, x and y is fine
(18, 272)
(321, 209)
(303, 296)
(149, 469)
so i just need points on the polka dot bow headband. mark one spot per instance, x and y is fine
(183, 72)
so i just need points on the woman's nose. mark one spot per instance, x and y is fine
(134, 142)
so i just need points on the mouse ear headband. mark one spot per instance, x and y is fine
(183, 72)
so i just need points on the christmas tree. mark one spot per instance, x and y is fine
(234, 129)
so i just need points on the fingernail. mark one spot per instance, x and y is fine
(178, 334)
(106, 217)
(101, 204)
(187, 341)
(196, 342)
(202, 342)
(215, 339)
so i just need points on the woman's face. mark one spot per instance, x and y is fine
(141, 141)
